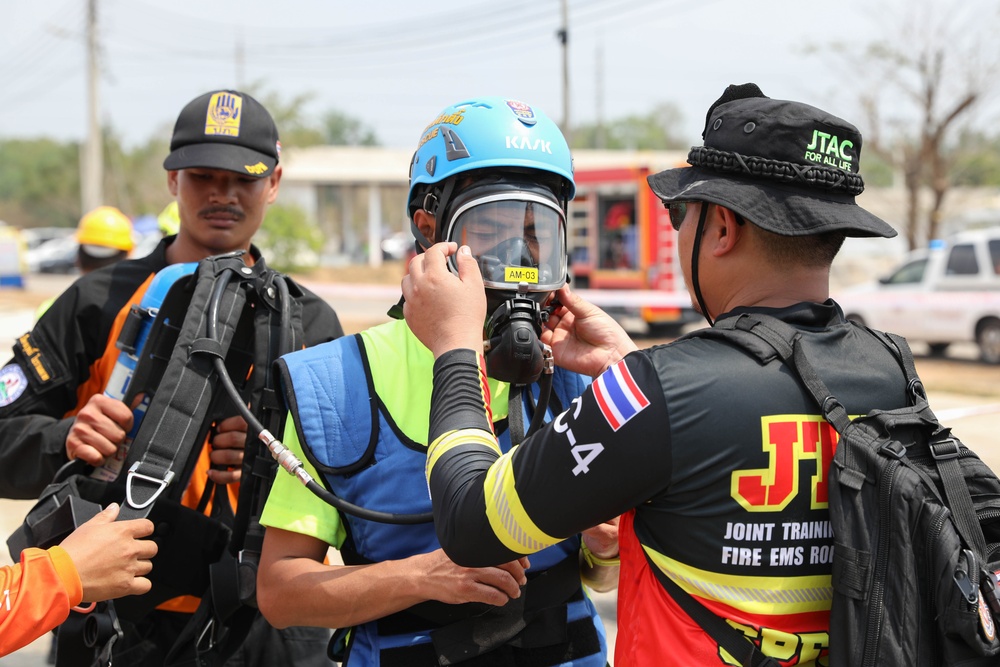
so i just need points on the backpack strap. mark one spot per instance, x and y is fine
(734, 642)
(944, 448)
(784, 339)
(160, 453)
(277, 331)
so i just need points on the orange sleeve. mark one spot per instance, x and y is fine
(36, 596)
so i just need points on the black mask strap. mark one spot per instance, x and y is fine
(515, 413)
(695, 252)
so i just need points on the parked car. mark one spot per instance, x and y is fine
(57, 255)
(36, 236)
(946, 293)
(398, 246)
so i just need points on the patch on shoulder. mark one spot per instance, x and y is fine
(40, 367)
(13, 382)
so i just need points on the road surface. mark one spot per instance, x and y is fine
(964, 393)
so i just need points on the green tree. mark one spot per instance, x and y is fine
(294, 126)
(978, 160)
(134, 179)
(39, 183)
(343, 130)
(288, 239)
(660, 129)
(876, 172)
(300, 129)
(918, 85)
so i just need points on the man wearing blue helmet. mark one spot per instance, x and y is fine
(495, 175)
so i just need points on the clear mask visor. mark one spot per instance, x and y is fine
(517, 237)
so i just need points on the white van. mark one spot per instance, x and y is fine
(943, 294)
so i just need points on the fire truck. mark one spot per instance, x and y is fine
(622, 248)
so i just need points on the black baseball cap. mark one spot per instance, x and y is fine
(787, 167)
(225, 129)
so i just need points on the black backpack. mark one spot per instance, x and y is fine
(916, 522)
(208, 356)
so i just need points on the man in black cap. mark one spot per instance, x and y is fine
(223, 169)
(716, 461)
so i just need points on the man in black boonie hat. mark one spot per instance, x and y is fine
(789, 168)
(711, 450)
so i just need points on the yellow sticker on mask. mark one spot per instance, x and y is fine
(520, 274)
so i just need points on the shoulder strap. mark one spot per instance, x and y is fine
(277, 331)
(784, 339)
(726, 636)
(169, 432)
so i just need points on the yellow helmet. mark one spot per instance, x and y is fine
(106, 226)
(169, 219)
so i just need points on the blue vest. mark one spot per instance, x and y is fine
(365, 457)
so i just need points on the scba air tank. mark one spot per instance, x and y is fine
(131, 341)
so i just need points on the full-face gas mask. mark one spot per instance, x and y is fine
(516, 230)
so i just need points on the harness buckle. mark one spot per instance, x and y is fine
(159, 484)
(942, 450)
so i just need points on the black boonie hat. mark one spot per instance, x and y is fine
(788, 167)
(225, 129)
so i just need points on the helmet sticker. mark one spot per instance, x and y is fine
(454, 118)
(223, 115)
(522, 112)
(13, 382)
(427, 137)
(454, 147)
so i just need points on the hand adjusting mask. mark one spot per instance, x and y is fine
(517, 232)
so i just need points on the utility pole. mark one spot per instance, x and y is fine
(563, 35)
(92, 158)
(601, 138)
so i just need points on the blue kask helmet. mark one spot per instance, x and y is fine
(497, 175)
(488, 133)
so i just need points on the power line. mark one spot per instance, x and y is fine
(23, 61)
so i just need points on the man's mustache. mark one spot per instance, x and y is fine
(229, 210)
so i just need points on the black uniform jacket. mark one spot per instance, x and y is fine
(67, 358)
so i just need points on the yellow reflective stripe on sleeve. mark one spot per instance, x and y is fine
(510, 523)
(767, 596)
(452, 439)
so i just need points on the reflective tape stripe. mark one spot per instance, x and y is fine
(767, 596)
(453, 439)
(511, 524)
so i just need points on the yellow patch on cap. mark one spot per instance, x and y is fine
(256, 169)
(224, 115)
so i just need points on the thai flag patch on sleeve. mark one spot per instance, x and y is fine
(618, 396)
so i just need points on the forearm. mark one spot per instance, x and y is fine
(598, 573)
(338, 596)
(294, 586)
(36, 596)
(463, 448)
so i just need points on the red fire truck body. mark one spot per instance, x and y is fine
(622, 248)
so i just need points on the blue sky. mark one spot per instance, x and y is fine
(395, 63)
